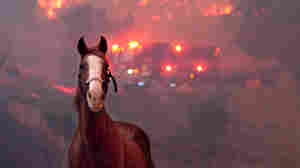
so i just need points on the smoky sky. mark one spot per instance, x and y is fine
(49, 45)
(38, 41)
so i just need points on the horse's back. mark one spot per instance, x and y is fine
(136, 135)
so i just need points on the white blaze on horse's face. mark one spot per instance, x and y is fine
(95, 94)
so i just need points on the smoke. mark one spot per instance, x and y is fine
(263, 125)
(44, 33)
(47, 45)
(269, 113)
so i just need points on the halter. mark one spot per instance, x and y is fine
(84, 84)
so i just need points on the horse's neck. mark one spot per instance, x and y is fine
(98, 126)
(105, 147)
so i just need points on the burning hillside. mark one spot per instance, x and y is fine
(217, 10)
(51, 7)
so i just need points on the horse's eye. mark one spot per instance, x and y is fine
(82, 66)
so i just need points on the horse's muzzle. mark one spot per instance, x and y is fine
(95, 97)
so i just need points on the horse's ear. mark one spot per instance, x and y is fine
(81, 46)
(103, 45)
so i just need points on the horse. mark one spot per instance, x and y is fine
(99, 141)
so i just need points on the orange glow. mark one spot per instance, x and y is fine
(115, 47)
(143, 3)
(217, 51)
(168, 68)
(200, 68)
(136, 70)
(178, 48)
(58, 4)
(192, 76)
(51, 14)
(42, 3)
(228, 10)
(64, 89)
(130, 71)
(218, 10)
(51, 7)
(133, 44)
(156, 18)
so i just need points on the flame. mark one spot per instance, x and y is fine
(136, 70)
(134, 44)
(178, 48)
(228, 9)
(143, 3)
(130, 71)
(115, 47)
(51, 7)
(192, 76)
(218, 10)
(58, 4)
(168, 68)
(64, 89)
(200, 68)
(51, 14)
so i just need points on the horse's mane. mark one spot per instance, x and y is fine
(76, 99)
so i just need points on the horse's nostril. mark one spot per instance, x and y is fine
(89, 95)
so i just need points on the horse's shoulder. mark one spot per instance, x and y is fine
(133, 134)
(129, 130)
(137, 144)
(125, 129)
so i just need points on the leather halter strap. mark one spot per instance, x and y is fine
(101, 80)
(94, 79)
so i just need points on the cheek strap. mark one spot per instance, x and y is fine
(114, 81)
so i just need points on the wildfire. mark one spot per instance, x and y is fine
(51, 14)
(199, 68)
(134, 44)
(51, 7)
(143, 3)
(64, 89)
(218, 10)
(115, 47)
(178, 48)
(168, 68)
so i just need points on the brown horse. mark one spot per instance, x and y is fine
(100, 142)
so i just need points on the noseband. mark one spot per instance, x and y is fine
(85, 84)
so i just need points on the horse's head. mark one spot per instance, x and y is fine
(94, 74)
